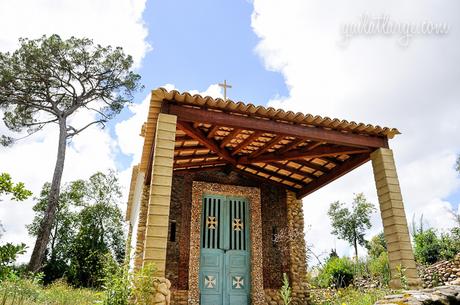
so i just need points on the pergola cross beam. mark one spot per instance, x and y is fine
(202, 138)
(189, 114)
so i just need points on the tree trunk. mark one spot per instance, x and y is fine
(53, 200)
(355, 243)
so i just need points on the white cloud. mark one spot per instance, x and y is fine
(118, 23)
(373, 80)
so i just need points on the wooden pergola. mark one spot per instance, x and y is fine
(299, 152)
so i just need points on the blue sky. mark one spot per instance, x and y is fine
(200, 43)
(284, 54)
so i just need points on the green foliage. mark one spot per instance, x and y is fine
(348, 296)
(17, 191)
(285, 290)
(21, 291)
(88, 225)
(377, 245)
(379, 268)
(426, 247)
(350, 225)
(116, 283)
(8, 255)
(144, 282)
(337, 272)
(401, 273)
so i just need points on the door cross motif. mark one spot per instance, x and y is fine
(237, 224)
(211, 222)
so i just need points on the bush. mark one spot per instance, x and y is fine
(116, 283)
(144, 283)
(379, 268)
(427, 247)
(337, 272)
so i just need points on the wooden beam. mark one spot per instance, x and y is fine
(213, 131)
(209, 143)
(190, 149)
(188, 114)
(246, 142)
(264, 180)
(320, 151)
(197, 170)
(266, 147)
(275, 174)
(229, 137)
(200, 163)
(311, 165)
(207, 156)
(293, 144)
(335, 173)
(293, 170)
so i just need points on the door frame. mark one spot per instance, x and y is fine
(252, 195)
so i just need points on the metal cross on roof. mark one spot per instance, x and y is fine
(225, 86)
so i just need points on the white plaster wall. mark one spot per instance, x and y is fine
(134, 220)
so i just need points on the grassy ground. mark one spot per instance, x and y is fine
(348, 296)
(22, 292)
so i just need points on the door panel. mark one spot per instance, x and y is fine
(224, 262)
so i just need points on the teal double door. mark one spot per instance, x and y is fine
(224, 256)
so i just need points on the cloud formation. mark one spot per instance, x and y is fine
(374, 80)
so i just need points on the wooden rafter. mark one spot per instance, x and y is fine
(335, 173)
(189, 114)
(272, 173)
(212, 132)
(200, 163)
(266, 147)
(201, 137)
(230, 137)
(191, 157)
(293, 144)
(197, 170)
(246, 142)
(264, 180)
(293, 170)
(311, 165)
(320, 151)
(190, 149)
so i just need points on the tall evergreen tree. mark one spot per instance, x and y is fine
(46, 82)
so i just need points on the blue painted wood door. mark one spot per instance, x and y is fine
(225, 261)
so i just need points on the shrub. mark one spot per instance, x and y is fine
(8, 254)
(337, 272)
(116, 283)
(285, 290)
(144, 283)
(379, 268)
(427, 247)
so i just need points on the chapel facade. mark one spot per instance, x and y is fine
(215, 202)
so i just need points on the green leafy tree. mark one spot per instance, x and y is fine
(64, 228)
(350, 225)
(9, 251)
(377, 245)
(100, 231)
(46, 82)
(18, 191)
(88, 227)
(427, 246)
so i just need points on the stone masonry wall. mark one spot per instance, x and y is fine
(440, 273)
(298, 268)
(138, 255)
